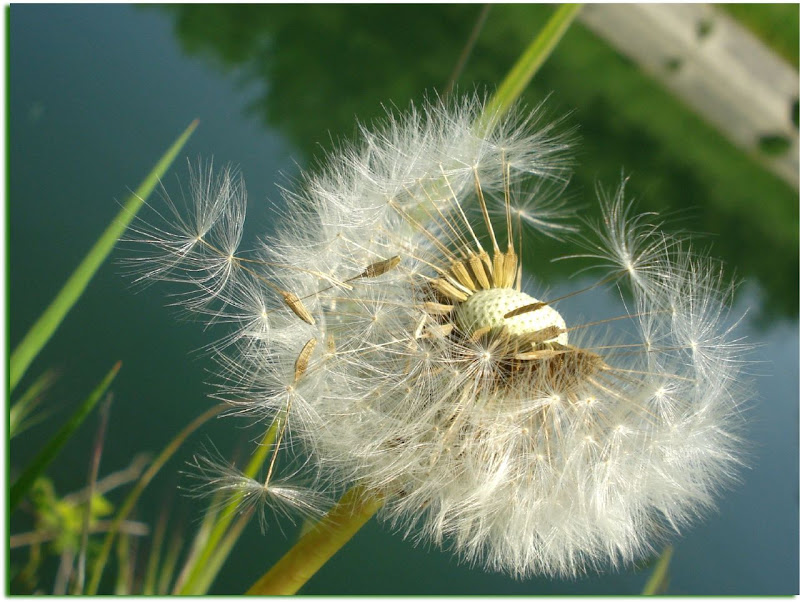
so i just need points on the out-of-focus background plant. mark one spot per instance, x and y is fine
(96, 92)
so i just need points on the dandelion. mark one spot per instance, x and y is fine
(386, 318)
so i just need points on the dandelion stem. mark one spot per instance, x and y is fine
(317, 546)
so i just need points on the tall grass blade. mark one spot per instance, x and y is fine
(169, 564)
(220, 554)
(48, 322)
(154, 556)
(94, 469)
(124, 582)
(46, 455)
(467, 50)
(528, 64)
(199, 570)
(201, 537)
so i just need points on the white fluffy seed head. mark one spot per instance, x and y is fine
(499, 436)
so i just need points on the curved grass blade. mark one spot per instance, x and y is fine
(201, 536)
(94, 469)
(528, 64)
(48, 322)
(169, 564)
(100, 561)
(46, 455)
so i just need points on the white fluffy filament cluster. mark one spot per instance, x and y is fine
(385, 319)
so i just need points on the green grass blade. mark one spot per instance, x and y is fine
(659, 580)
(124, 567)
(198, 578)
(46, 455)
(528, 64)
(154, 555)
(133, 496)
(26, 404)
(168, 565)
(200, 539)
(220, 554)
(48, 322)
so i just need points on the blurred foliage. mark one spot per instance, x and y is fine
(320, 67)
(64, 517)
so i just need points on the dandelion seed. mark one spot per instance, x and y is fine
(282, 496)
(392, 329)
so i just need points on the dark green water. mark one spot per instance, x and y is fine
(97, 93)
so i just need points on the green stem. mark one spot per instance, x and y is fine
(528, 64)
(317, 546)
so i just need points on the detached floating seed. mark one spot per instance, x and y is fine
(296, 305)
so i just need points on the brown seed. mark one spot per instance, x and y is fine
(437, 309)
(448, 290)
(437, 331)
(301, 363)
(476, 265)
(525, 309)
(545, 334)
(510, 269)
(296, 305)
(462, 275)
(541, 354)
(477, 334)
(498, 262)
(380, 267)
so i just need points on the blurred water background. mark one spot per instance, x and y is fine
(97, 93)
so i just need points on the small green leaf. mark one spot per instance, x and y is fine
(46, 455)
(49, 321)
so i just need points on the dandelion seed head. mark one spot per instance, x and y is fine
(386, 318)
